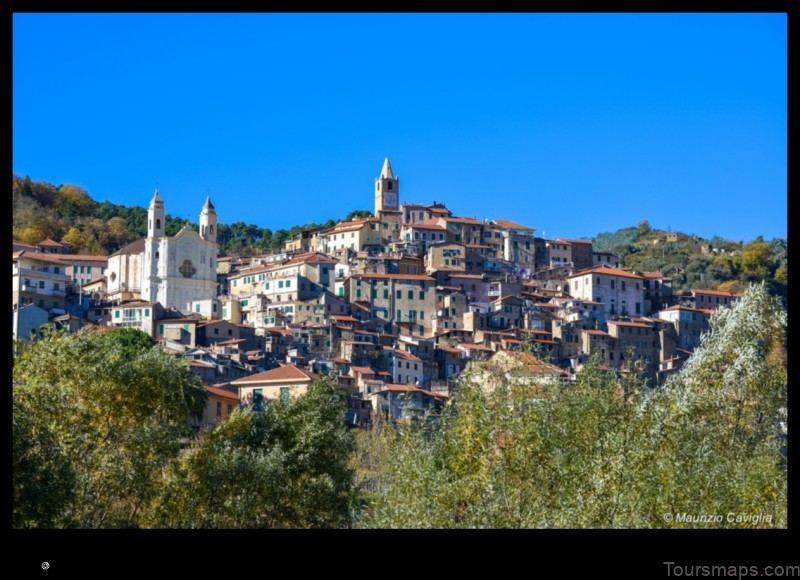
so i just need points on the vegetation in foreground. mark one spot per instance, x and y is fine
(101, 439)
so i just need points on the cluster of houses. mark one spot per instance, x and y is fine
(393, 305)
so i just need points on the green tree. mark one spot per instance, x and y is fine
(284, 467)
(605, 450)
(114, 413)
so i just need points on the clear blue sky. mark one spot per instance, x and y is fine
(573, 124)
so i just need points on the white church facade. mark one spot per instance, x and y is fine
(171, 270)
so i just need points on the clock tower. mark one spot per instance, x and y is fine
(387, 189)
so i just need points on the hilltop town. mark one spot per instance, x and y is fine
(394, 305)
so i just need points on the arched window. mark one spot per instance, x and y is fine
(389, 185)
(157, 256)
(211, 230)
(158, 224)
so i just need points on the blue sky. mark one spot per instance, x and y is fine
(573, 124)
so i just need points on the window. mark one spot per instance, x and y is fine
(421, 314)
(216, 331)
(410, 294)
(41, 283)
(219, 408)
(187, 270)
(613, 284)
(197, 308)
(158, 224)
(116, 314)
(386, 294)
(422, 295)
(623, 285)
(638, 308)
(284, 393)
(399, 315)
(147, 312)
(230, 408)
(55, 285)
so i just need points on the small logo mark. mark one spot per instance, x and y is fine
(45, 565)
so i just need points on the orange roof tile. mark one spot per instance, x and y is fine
(288, 372)
(222, 393)
(714, 293)
(606, 271)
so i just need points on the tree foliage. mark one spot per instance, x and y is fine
(607, 451)
(67, 212)
(286, 467)
(96, 418)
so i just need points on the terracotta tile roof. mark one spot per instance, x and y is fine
(343, 318)
(714, 293)
(633, 324)
(450, 349)
(405, 355)
(79, 257)
(310, 257)
(688, 308)
(202, 364)
(652, 274)
(573, 241)
(136, 247)
(467, 346)
(48, 243)
(606, 271)
(362, 370)
(287, 372)
(222, 393)
(340, 360)
(509, 225)
(231, 342)
(459, 220)
(596, 332)
(24, 245)
(49, 258)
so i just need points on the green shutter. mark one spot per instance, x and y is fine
(116, 314)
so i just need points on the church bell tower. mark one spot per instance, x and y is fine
(387, 189)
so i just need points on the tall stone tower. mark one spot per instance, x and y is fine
(387, 189)
(208, 222)
(153, 248)
(155, 217)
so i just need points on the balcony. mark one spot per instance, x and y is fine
(39, 273)
(493, 293)
(34, 289)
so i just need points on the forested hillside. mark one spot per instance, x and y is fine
(43, 210)
(694, 262)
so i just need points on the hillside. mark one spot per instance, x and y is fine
(66, 212)
(42, 210)
(695, 262)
